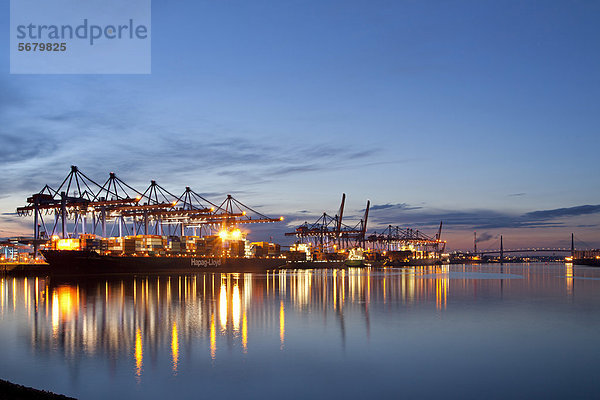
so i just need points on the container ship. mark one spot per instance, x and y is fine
(227, 252)
(158, 231)
(89, 262)
(585, 257)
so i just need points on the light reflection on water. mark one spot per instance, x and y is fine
(164, 335)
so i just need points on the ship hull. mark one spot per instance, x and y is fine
(70, 262)
(594, 262)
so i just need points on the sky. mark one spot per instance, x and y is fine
(481, 114)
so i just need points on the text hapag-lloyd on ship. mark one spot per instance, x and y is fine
(199, 262)
(130, 30)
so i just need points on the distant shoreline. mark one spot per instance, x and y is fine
(10, 390)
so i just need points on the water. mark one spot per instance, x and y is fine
(488, 331)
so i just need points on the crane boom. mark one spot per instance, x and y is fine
(338, 228)
(364, 227)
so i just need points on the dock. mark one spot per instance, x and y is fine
(24, 268)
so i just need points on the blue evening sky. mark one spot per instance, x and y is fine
(481, 113)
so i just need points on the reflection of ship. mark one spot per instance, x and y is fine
(91, 262)
(320, 264)
(146, 321)
(405, 258)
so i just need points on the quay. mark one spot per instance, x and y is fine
(24, 268)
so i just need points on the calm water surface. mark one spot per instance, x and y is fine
(487, 331)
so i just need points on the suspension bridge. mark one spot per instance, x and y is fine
(501, 250)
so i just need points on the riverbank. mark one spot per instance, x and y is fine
(13, 391)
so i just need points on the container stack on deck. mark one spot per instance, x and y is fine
(156, 222)
(154, 245)
(587, 257)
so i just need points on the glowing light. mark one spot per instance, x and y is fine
(67, 244)
(281, 218)
(281, 323)
(213, 337)
(223, 306)
(236, 308)
(55, 313)
(67, 299)
(175, 347)
(235, 234)
(441, 291)
(569, 278)
(25, 294)
(138, 353)
(245, 333)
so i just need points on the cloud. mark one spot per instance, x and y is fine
(485, 236)
(399, 206)
(517, 194)
(13, 97)
(475, 219)
(135, 152)
(563, 212)
(24, 145)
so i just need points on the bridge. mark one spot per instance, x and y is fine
(528, 250)
(502, 251)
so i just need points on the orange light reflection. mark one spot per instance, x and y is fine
(138, 353)
(175, 347)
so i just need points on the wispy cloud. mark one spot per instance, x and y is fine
(563, 212)
(116, 137)
(23, 145)
(399, 206)
(401, 214)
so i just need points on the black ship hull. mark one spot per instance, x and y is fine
(84, 262)
(594, 262)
